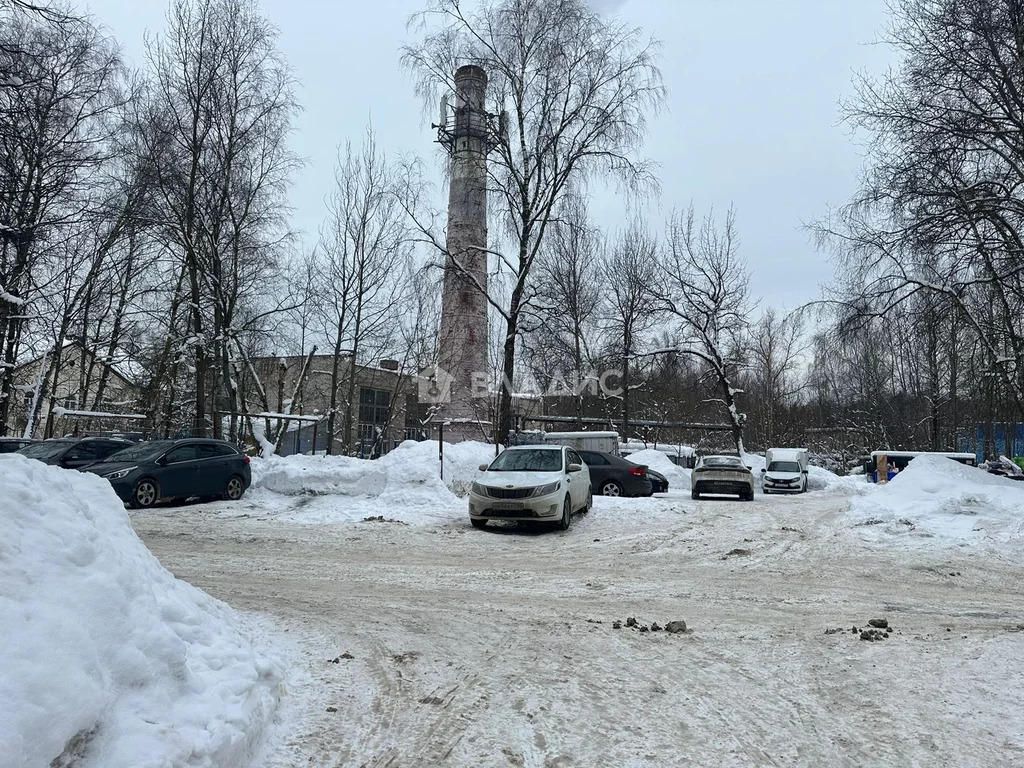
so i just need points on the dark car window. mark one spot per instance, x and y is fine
(88, 451)
(46, 450)
(215, 450)
(722, 461)
(784, 466)
(528, 460)
(593, 459)
(10, 446)
(142, 451)
(183, 453)
(107, 448)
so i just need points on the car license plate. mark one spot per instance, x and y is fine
(507, 505)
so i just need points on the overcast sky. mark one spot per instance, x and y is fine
(752, 116)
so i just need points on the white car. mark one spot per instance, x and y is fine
(785, 471)
(531, 482)
(722, 474)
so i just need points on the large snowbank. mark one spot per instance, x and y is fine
(940, 499)
(404, 483)
(107, 660)
(678, 477)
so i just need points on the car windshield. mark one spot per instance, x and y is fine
(783, 466)
(140, 452)
(535, 460)
(47, 449)
(722, 461)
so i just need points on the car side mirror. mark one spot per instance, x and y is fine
(750, 469)
(575, 468)
(806, 472)
(763, 470)
(483, 467)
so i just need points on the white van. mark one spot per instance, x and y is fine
(785, 470)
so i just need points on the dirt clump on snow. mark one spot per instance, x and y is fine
(738, 552)
(676, 627)
(879, 623)
(872, 635)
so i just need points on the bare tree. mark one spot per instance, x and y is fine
(63, 84)
(776, 351)
(363, 249)
(569, 296)
(217, 126)
(629, 268)
(706, 290)
(577, 89)
(940, 211)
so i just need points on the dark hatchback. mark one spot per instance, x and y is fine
(611, 475)
(73, 452)
(176, 469)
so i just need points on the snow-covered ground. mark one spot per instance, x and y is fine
(424, 642)
(107, 660)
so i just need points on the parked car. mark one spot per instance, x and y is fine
(73, 452)
(722, 474)
(659, 483)
(531, 482)
(785, 470)
(148, 472)
(612, 475)
(12, 444)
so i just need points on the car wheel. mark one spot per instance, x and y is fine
(477, 523)
(566, 518)
(145, 494)
(611, 488)
(694, 494)
(234, 489)
(590, 500)
(748, 495)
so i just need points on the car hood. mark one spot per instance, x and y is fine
(517, 479)
(106, 467)
(783, 475)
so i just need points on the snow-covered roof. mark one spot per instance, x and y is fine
(903, 454)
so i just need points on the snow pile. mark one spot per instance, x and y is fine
(108, 661)
(940, 499)
(407, 477)
(678, 477)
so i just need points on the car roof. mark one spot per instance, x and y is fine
(535, 447)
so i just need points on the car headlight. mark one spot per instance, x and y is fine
(479, 490)
(544, 490)
(120, 473)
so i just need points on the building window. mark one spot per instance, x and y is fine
(373, 406)
(70, 403)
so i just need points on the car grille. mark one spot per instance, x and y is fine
(509, 513)
(509, 493)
